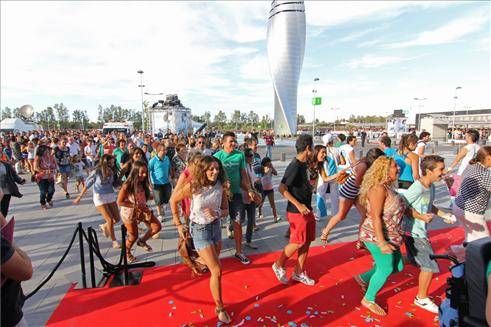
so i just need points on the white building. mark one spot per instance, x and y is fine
(170, 114)
(286, 47)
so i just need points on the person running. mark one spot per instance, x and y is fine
(160, 172)
(380, 230)
(465, 155)
(63, 159)
(208, 191)
(424, 138)
(349, 190)
(419, 199)
(295, 187)
(45, 169)
(104, 197)
(268, 171)
(233, 162)
(78, 172)
(132, 199)
(407, 160)
(348, 150)
(473, 197)
(331, 167)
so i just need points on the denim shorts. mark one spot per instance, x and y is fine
(418, 252)
(235, 207)
(205, 235)
(65, 169)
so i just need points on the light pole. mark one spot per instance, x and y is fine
(418, 127)
(455, 106)
(141, 86)
(314, 102)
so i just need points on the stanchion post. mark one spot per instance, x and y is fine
(125, 259)
(91, 257)
(82, 256)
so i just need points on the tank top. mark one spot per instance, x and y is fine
(392, 213)
(471, 153)
(406, 171)
(209, 197)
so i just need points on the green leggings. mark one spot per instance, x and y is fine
(385, 264)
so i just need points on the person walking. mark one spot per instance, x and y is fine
(8, 181)
(473, 197)
(45, 172)
(104, 197)
(63, 159)
(132, 199)
(233, 162)
(295, 187)
(381, 230)
(159, 169)
(209, 202)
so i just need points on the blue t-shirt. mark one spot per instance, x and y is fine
(159, 170)
(390, 152)
(406, 171)
(421, 199)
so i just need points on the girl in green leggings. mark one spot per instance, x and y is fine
(380, 231)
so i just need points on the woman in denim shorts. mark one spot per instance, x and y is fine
(209, 202)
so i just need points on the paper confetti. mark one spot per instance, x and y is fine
(248, 318)
(289, 312)
(256, 305)
(409, 314)
(171, 302)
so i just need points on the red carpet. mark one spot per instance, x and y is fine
(168, 296)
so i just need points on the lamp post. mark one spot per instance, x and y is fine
(314, 102)
(455, 106)
(141, 86)
(418, 127)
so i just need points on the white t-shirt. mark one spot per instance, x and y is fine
(74, 149)
(345, 150)
(419, 145)
(471, 153)
(90, 150)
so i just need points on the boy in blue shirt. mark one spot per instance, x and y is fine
(419, 198)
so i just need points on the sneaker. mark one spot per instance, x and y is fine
(426, 304)
(280, 273)
(67, 195)
(251, 246)
(230, 234)
(276, 219)
(260, 216)
(50, 203)
(161, 218)
(242, 258)
(303, 278)
(256, 228)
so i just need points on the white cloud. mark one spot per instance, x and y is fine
(450, 32)
(256, 69)
(375, 61)
(370, 43)
(357, 35)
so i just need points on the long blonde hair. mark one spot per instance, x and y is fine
(377, 174)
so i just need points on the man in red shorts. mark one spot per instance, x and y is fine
(295, 187)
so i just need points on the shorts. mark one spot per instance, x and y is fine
(235, 207)
(205, 235)
(349, 190)
(418, 253)
(65, 169)
(266, 192)
(161, 193)
(80, 179)
(102, 199)
(302, 228)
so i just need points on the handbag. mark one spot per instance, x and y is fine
(189, 255)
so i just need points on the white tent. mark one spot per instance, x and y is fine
(18, 125)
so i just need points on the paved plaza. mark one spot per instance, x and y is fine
(45, 235)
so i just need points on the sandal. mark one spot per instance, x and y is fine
(373, 307)
(223, 316)
(104, 230)
(144, 245)
(130, 258)
(324, 236)
(361, 282)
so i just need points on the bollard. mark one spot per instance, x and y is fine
(91, 257)
(82, 256)
(283, 156)
(125, 259)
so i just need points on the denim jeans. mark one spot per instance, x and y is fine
(249, 209)
(46, 190)
(235, 208)
(269, 151)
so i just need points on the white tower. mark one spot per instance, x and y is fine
(286, 47)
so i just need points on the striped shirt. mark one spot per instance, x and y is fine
(475, 189)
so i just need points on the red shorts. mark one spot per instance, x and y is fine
(302, 228)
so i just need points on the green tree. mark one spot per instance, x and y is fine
(6, 113)
(253, 118)
(207, 117)
(62, 114)
(220, 119)
(16, 113)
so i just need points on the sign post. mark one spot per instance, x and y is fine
(316, 101)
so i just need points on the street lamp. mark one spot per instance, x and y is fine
(314, 102)
(455, 105)
(418, 127)
(141, 86)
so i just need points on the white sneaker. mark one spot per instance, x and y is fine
(426, 304)
(303, 278)
(280, 273)
(161, 218)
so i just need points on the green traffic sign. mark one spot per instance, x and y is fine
(316, 101)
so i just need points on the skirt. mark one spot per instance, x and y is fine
(101, 199)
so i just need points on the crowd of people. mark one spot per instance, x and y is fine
(210, 182)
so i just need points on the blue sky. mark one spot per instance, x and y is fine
(370, 57)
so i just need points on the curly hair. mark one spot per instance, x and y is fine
(200, 179)
(377, 174)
